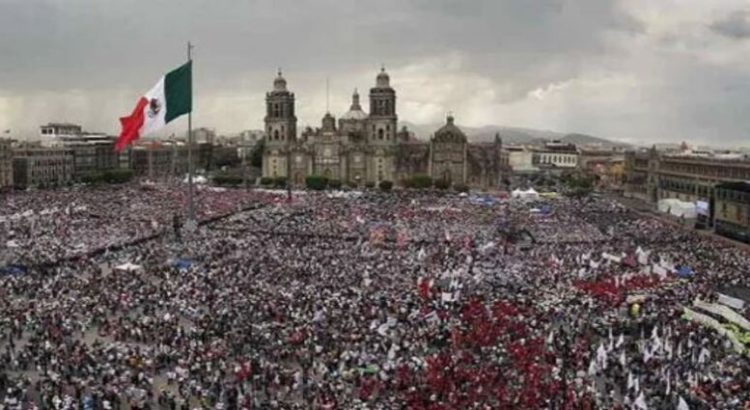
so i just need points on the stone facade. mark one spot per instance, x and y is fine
(652, 175)
(732, 214)
(42, 166)
(6, 164)
(368, 147)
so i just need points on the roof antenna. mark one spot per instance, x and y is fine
(328, 111)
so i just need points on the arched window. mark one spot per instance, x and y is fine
(276, 135)
(380, 134)
(276, 110)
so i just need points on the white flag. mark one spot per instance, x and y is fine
(640, 402)
(592, 367)
(682, 404)
(620, 341)
(704, 355)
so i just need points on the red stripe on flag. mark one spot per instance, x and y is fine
(131, 125)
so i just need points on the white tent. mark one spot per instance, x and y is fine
(198, 179)
(678, 208)
(528, 194)
(128, 267)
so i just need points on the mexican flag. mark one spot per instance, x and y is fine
(171, 97)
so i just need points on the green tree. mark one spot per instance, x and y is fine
(442, 184)
(224, 179)
(422, 181)
(316, 182)
(279, 182)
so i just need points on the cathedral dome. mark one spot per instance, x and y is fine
(355, 111)
(279, 84)
(450, 133)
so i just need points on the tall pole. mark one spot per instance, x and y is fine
(192, 224)
(289, 174)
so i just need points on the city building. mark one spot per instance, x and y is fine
(6, 164)
(732, 215)
(204, 135)
(689, 176)
(38, 166)
(368, 146)
(641, 178)
(520, 160)
(693, 177)
(55, 130)
(246, 142)
(607, 165)
(556, 155)
(154, 159)
(93, 153)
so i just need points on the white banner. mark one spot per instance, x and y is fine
(659, 270)
(613, 258)
(738, 304)
(724, 312)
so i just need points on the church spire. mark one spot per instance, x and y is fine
(355, 101)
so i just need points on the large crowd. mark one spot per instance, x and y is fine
(358, 301)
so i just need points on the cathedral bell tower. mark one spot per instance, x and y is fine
(381, 130)
(281, 129)
(382, 126)
(281, 122)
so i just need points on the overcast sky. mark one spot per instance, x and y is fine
(634, 70)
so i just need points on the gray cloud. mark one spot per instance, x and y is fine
(735, 25)
(574, 65)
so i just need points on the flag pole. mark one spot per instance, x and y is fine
(192, 223)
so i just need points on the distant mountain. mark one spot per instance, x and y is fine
(583, 139)
(513, 135)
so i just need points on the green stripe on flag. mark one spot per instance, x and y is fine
(178, 91)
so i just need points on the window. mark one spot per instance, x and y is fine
(276, 134)
(380, 134)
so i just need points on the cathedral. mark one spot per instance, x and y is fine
(368, 147)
